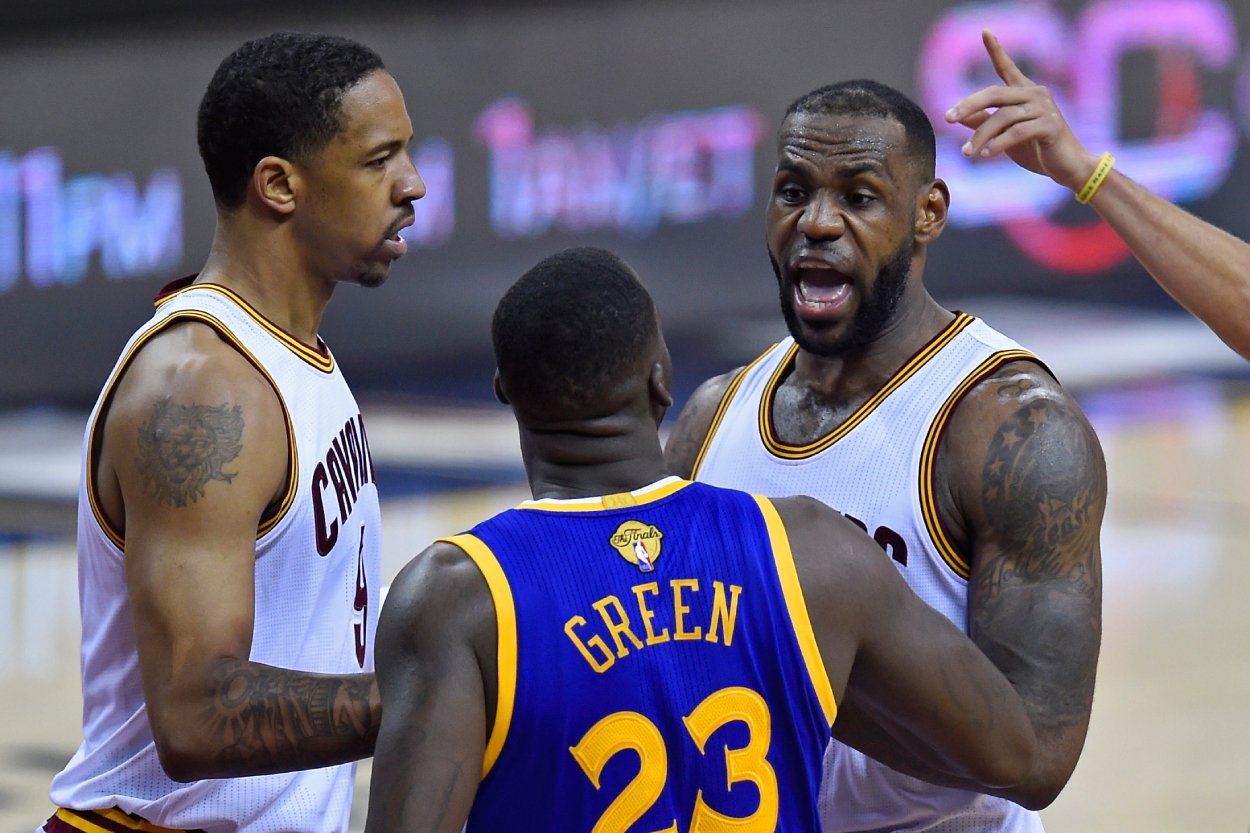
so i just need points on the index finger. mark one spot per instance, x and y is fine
(981, 100)
(1003, 65)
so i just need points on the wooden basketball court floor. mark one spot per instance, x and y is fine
(1169, 743)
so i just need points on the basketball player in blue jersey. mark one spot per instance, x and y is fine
(631, 651)
(954, 448)
(228, 529)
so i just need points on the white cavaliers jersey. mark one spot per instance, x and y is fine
(317, 581)
(877, 469)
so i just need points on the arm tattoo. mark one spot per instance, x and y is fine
(182, 447)
(267, 719)
(1037, 600)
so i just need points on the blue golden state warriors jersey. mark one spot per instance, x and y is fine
(657, 667)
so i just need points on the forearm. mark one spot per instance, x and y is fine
(1204, 268)
(255, 719)
(882, 739)
(1050, 659)
(887, 742)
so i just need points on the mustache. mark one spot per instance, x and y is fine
(405, 219)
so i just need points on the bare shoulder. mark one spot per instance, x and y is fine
(1029, 465)
(440, 593)
(683, 446)
(1015, 385)
(833, 555)
(191, 361)
(1015, 431)
(188, 412)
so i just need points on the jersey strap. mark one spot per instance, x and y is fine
(797, 608)
(928, 457)
(505, 623)
(723, 407)
(319, 357)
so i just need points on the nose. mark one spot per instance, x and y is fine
(409, 186)
(821, 219)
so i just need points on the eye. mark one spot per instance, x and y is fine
(379, 163)
(860, 198)
(791, 193)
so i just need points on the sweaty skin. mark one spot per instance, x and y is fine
(436, 650)
(1020, 478)
(192, 454)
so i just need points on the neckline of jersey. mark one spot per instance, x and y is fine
(650, 493)
(779, 448)
(319, 356)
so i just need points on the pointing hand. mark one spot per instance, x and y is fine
(1021, 120)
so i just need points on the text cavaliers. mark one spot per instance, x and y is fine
(347, 467)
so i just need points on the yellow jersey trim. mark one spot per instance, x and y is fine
(794, 452)
(505, 622)
(78, 821)
(723, 408)
(928, 456)
(322, 361)
(292, 477)
(648, 494)
(797, 608)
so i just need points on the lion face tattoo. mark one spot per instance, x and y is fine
(183, 447)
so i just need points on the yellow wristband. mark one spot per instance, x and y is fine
(1095, 179)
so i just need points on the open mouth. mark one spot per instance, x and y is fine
(820, 291)
(394, 246)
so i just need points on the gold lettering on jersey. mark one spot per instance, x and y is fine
(722, 612)
(595, 641)
(638, 543)
(688, 606)
(680, 609)
(620, 626)
(647, 614)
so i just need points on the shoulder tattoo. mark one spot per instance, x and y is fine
(1043, 489)
(182, 447)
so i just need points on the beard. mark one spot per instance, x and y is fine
(371, 280)
(874, 313)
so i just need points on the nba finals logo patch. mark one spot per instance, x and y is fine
(638, 543)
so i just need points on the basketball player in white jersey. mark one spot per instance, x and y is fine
(1204, 268)
(228, 520)
(953, 447)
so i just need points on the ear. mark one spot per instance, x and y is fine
(661, 399)
(275, 182)
(934, 204)
(499, 394)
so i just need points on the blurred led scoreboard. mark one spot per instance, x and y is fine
(640, 127)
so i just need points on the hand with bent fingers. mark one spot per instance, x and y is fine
(1021, 120)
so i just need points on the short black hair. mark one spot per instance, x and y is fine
(865, 97)
(280, 95)
(570, 330)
